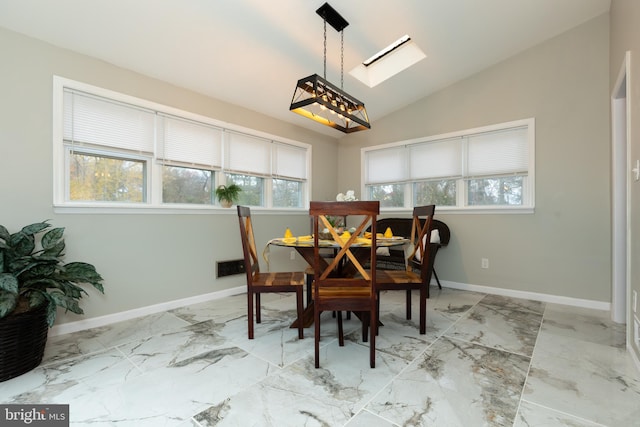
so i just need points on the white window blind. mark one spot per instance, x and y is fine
(93, 120)
(439, 159)
(386, 165)
(289, 161)
(188, 142)
(246, 153)
(498, 153)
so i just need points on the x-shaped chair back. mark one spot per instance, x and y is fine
(420, 238)
(252, 265)
(335, 288)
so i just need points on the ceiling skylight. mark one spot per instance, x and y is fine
(398, 56)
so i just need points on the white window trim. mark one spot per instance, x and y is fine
(528, 206)
(153, 204)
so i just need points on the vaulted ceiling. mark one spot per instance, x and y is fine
(252, 52)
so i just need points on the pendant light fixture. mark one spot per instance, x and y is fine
(319, 100)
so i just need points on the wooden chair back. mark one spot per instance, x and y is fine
(420, 238)
(251, 262)
(342, 283)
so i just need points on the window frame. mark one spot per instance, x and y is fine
(528, 198)
(154, 165)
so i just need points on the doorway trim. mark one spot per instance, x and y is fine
(620, 191)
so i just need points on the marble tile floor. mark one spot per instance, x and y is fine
(486, 360)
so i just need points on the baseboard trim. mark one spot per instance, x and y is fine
(95, 322)
(556, 299)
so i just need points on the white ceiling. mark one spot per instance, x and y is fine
(252, 52)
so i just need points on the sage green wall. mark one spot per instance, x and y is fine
(625, 36)
(145, 259)
(564, 247)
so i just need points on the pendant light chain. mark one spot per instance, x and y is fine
(325, 49)
(342, 59)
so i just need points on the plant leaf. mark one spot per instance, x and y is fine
(22, 243)
(36, 298)
(32, 229)
(52, 308)
(81, 272)
(8, 302)
(51, 237)
(55, 250)
(9, 283)
(4, 233)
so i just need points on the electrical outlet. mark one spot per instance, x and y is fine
(292, 256)
(485, 263)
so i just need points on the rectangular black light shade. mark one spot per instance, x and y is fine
(323, 102)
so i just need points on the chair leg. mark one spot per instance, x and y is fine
(340, 330)
(316, 323)
(258, 317)
(309, 288)
(437, 280)
(423, 309)
(365, 325)
(250, 313)
(408, 304)
(377, 310)
(372, 341)
(299, 306)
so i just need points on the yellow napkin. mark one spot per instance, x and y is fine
(288, 233)
(305, 238)
(388, 233)
(289, 240)
(363, 241)
(345, 236)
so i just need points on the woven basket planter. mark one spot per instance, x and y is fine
(23, 338)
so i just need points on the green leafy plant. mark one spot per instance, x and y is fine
(32, 275)
(228, 193)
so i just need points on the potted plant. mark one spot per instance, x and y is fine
(34, 282)
(228, 194)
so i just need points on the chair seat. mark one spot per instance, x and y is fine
(397, 277)
(289, 278)
(342, 292)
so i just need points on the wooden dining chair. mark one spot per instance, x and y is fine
(417, 274)
(258, 282)
(341, 283)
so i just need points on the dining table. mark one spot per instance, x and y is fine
(304, 246)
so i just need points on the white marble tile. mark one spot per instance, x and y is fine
(195, 366)
(175, 348)
(171, 395)
(502, 323)
(67, 346)
(367, 419)
(302, 395)
(584, 324)
(70, 382)
(530, 414)
(516, 304)
(595, 381)
(453, 302)
(223, 309)
(455, 383)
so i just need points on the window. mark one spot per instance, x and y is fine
(114, 150)
(490, 168)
